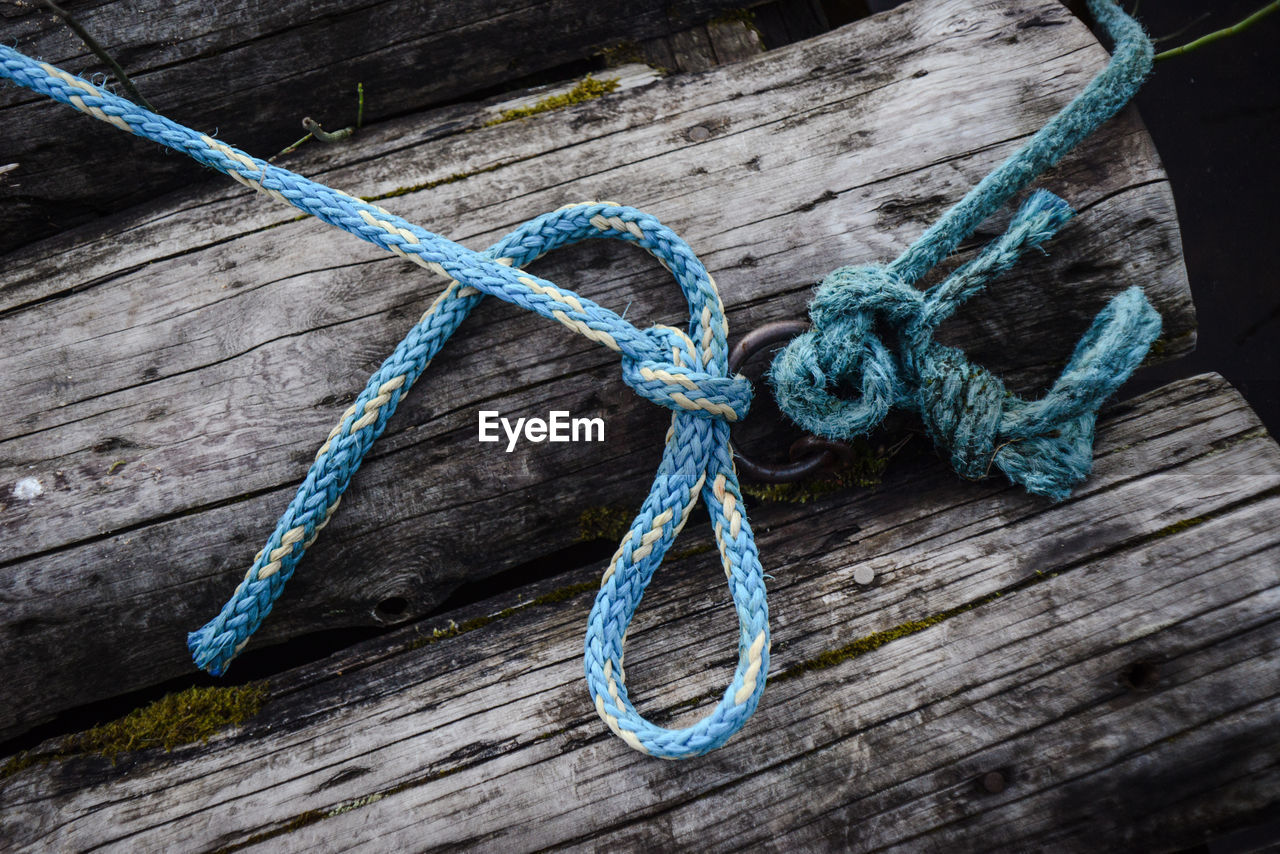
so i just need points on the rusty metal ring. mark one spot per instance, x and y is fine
(809, 454)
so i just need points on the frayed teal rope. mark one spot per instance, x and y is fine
(1046, 445)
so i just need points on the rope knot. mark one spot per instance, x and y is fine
(844, 352)
(1045, 445)
(870, 292)
(961, 405)
(681, 384)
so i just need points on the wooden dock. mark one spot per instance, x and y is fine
(1017, 674)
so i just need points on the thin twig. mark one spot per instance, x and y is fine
(100, 52)
(1232, 30)
(1182, 30)
(290, 150)
(315, 131)
(323, 135)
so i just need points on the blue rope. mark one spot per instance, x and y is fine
(1045, 445)
(686, 372)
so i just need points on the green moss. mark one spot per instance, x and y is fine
(355, 805)
(691, 551)
(453, 629)
(21, 762)
(621, 54)
(429, 185)
(865, 469)
(793, 493)
(830, 658)
(565, 593)
(611, 525)
(186, 717)
(588, 89)
(270, 226)
(310, 817)
(298, 822)
(1178, 527)
(862, 646)
(1220, 445)
(603, 523)
(691, 703)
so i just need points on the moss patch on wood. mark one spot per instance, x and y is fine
(312, 816)
(863, 645)
(186, 717)
(874, 641)
(622, 53)
(453, 629)
(430, 185)
(1178, 527)
(587, 89)
(603, 523)
(612, 523)
(691, 551)
(865, 469)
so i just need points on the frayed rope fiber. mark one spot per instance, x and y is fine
(1046, 445)
(687, 372)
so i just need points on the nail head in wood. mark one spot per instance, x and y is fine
(993, 782)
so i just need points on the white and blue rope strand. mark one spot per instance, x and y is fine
(686, 372)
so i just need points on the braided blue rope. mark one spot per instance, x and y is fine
(1045, 445)
(688, 373)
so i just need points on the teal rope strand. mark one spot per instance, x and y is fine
(1046, 446)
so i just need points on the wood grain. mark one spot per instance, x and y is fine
(169, 381)
(1116, 665)
(254, 69)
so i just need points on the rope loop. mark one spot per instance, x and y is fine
(685, 371)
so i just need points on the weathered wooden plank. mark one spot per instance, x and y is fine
(253, 70)
(1116, 666)
(171, 380)
(692, 50)
(734, 40)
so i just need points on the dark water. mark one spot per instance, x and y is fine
(1215, 117)
(1214, 114)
